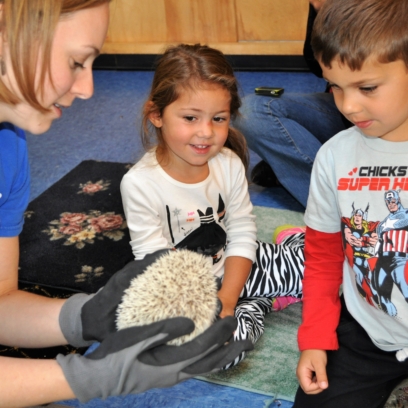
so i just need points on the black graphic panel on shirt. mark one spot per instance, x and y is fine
(209, 238)
(221, 211)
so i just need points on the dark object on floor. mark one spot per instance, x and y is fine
(263, 175)
(75, 235)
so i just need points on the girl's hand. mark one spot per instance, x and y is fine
(235, 275)
(227, 312)
(227, 306)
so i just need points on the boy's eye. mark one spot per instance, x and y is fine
(368, 89)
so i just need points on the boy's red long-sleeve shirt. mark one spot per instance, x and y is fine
(323, 275)
(357, 179)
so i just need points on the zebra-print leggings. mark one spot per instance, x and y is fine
(277, 271)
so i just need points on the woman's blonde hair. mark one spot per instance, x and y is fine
(185, 66)
(28, 27)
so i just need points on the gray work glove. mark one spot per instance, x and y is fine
(136, 359)
(85, 319)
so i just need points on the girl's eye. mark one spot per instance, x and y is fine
(189, 118)
(219, 119)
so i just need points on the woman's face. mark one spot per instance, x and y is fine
(78, 39)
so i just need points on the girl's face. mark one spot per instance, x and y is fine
(194, 129)
(77, 41)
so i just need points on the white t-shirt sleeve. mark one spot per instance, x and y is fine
(322, 211)
(239, 220)
(143, 218)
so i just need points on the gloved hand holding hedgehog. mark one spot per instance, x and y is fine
(166, 299)
(178, 283)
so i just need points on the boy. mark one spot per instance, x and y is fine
(354, 349)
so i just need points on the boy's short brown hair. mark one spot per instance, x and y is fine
(353, 30)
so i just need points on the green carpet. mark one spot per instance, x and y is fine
(267, 219)
(270, 368)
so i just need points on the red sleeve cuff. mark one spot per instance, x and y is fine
(324, 258)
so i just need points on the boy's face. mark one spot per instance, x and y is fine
(374, 98)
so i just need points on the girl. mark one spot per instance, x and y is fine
(190, 190)
(47, 48)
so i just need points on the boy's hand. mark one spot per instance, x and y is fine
(311, 371)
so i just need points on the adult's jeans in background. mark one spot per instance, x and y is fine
(288, 131)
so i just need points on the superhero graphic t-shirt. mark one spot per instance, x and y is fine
(360, 188)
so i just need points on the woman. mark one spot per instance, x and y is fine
(47, 48)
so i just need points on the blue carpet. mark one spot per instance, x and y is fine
(189, 394)
(107, 128)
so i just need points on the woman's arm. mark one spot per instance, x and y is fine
(26, 382)
(26, 320)
(236, 274)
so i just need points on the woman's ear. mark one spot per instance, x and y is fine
(154, 115)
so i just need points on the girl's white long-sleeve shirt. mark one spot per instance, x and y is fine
(213, 217)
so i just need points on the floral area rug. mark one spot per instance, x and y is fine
(74, 239)
(75, 235)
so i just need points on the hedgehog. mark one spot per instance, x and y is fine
(178, 283)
